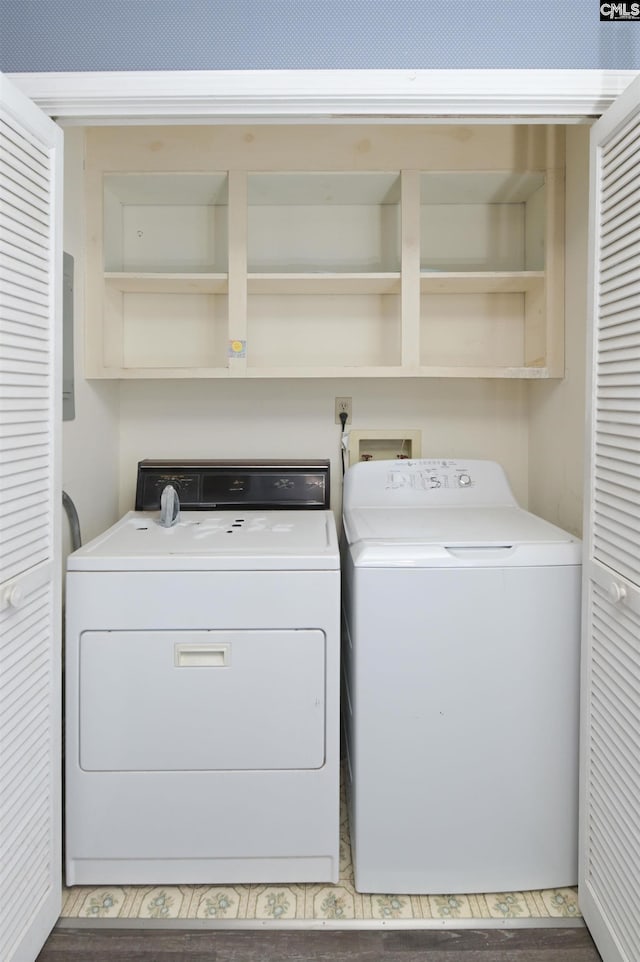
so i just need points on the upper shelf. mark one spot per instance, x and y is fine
(151, 283)
(481, 282)
(324, 283)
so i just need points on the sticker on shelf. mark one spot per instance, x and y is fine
(237, 348)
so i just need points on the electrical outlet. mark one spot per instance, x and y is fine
(343, 404)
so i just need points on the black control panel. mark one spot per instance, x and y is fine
(219, 485)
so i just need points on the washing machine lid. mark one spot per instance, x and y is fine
(214, 541)
(456, 537)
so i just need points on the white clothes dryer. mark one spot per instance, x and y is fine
(461, 671)
(202, 682)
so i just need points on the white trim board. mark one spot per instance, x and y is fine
(394, 96)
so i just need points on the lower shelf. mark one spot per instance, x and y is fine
(172, 373)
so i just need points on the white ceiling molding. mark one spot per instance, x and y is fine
(323, 95)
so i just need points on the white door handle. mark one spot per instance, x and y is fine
(617, 593)
(202, 656)
(14, 597)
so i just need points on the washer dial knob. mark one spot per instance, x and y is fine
(464, 480)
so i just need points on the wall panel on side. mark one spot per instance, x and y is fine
(89, 469)
(556, 408)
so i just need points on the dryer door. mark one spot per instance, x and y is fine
(202, 700)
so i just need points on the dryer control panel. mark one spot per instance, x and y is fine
(219, 485)
(426, 482)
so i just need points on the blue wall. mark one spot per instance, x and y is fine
(59, 35)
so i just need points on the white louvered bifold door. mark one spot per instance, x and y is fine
(30, 398)
(610, 753)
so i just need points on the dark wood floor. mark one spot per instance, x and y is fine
(446, 945)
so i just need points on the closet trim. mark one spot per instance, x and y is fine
(324, 96)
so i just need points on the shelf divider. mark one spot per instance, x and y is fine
(410, 268)
(237, 304)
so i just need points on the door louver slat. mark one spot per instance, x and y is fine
(624, 480)
(626, 462)
(620, 286)
(614, 252)
(616, 345)
(20, 147)
(23, 474)
(617, 500)
(12, 317)
(622, 318)
(614, 306)
(621, 198)
(23, 178)
(30, 204)
(612, 260)
(20, 292)
(614, 416)
(619, 531)
(25, 275)
(620, 231)
(616, 151)
(22, 172)
(621, 382)
(617, 434)
(23, 264)
(614, 557)
(21, 247)
(620, 194)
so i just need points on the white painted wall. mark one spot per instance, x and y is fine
(295, 418)
(557, 408)
(90, 442)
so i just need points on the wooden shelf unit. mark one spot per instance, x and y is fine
(418, 251)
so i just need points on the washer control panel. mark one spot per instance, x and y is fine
(431, 475)
(426, 482)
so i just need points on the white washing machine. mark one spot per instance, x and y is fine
(202, 682)
(461, 666)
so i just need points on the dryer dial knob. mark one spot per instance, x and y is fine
(464, 480)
